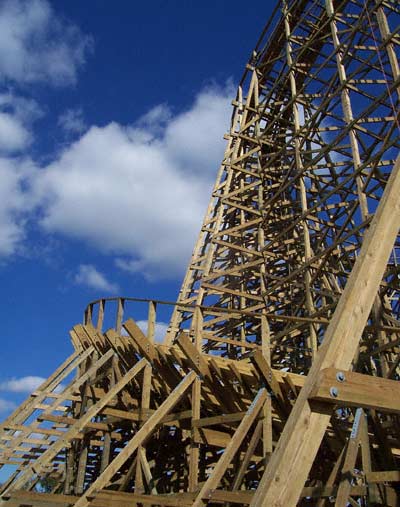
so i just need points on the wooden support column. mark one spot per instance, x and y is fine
(373, 491)
(342, 496)
(312, 339)
(100, 316)
(82, 448)
(120, 315)
(106, 453)
(194, 452)
(267, 429)
(145, 399)
(248, 455)
(305, 429)
(389, 46)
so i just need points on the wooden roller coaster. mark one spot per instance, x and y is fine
(276, 383)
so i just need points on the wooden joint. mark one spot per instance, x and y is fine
(351, 389)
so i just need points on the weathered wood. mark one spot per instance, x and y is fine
(351, 389)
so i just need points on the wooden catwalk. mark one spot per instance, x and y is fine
(277, 381)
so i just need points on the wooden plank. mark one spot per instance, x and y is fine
(29, 497)
(120, 499)
(218, 419)
(245, 497)
(194, 355)
(357, 390)
(212, 437)
(146, 348)
(383, 476)
(262, 366)
(247, 456)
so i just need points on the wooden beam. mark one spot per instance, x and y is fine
(351, 389)
(350, 457)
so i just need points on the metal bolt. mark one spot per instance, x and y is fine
(334, 392)
(340, 376)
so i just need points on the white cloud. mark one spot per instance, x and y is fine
(6, 406)
(16, 201)
(156, 119)
(37, 46)
(136, 192)
(159, 331)
(16, 117)
(26, 384)
(194, 139)
(26, 110)
(13, 135)
(89, 276)
(72, 121)
(140, 191)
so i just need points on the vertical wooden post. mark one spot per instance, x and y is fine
(350, 460)
(145, 400)
(120, 315)
(100, 316)
(194, 451)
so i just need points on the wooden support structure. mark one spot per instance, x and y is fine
(277, 381)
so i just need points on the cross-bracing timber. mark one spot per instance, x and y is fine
(277, 381)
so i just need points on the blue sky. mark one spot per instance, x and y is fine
(111, 123)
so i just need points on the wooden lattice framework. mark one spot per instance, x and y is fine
(277, 381)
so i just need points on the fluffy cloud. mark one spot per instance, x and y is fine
(16, 201)
(36, 46)
(72, 121)
(193, 139)
(13, 136)
(6, 406)
(16, 116)
(139, 192)
(26, 384)
(89, 276)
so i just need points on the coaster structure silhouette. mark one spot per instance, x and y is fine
(277, 380)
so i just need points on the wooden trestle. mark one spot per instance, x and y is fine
(277, 381)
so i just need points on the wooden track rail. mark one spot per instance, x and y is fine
(277, 381)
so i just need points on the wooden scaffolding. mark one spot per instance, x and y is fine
(277, 381)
